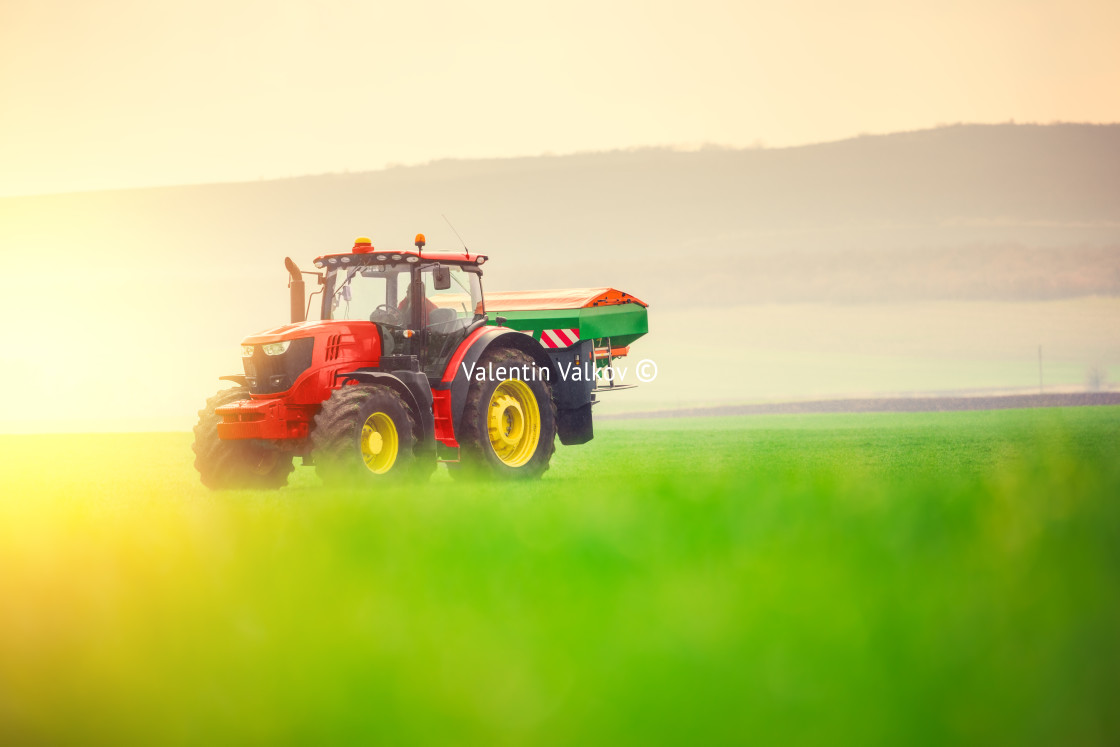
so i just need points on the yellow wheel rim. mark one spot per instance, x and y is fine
(379, 443)
(513, 422)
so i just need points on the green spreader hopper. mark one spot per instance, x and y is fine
(610, 318)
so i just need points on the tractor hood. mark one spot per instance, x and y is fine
(310, 329)
(304, 357)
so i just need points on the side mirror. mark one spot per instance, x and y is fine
(442, 279)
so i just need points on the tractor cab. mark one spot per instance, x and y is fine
(423, 305)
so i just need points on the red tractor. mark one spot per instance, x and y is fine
(405, 369)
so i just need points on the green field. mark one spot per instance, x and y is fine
(936, 579)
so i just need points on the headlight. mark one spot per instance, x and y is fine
(412, 258)
(276, 348)
(396, 257)
(246, 351)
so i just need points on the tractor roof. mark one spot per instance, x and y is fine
(364, 252)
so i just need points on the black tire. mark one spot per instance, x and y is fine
(478, 454)
(235, 465)
(337, 438)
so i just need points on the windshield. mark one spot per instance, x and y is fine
(383, 293)
(360, 291)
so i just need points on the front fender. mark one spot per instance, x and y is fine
(415, 392)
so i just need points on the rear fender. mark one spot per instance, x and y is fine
(471, 351)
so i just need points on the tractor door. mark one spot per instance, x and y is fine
(454, 307)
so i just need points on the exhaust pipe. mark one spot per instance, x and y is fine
(296, 288)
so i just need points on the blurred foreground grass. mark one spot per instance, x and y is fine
(903, 579)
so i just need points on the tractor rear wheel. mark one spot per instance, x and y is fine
(509, 422)
(239, 464)
(368, 432)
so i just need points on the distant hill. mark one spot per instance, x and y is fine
(138, 298)
(972, 211)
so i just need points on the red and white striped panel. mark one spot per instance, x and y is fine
(559, 338)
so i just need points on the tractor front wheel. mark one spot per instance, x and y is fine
(367, 431)
(239, 464)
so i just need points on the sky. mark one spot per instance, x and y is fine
(123, 93)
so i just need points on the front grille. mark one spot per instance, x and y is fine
(268, 374)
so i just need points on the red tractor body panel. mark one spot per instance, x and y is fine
(340, 346)
(441, 410)
(454, 364)
(272, 419)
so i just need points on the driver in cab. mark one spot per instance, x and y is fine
(405, 307)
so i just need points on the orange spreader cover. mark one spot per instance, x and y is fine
(566, 298)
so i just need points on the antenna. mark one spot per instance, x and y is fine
(465, 251)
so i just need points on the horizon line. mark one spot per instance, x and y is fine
(672, 148)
